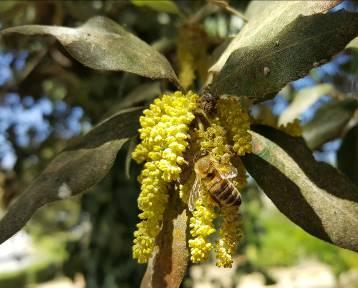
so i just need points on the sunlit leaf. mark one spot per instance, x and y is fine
(312, 194)
(168, 6)
(102, 44)
(347, 155)
(82, 164)
(282, 46)
(168, 265)
(303, 99)
(353, 44)
(328, 122)
(269, 16)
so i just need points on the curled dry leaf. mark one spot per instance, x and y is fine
(85, 162)
(102, 44)
(312, 194)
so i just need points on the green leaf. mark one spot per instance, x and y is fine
(303, 99)
(143, 92)
(312, 194)
(169, 262)
(267, 19)
(347, 155)
(102, 44)
(82, 164)
(275, 54)
(161, 6)
(328, 122)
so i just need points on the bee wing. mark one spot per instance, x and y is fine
(194, 194)
(226, 171)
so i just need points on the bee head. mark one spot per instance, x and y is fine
(203, 166)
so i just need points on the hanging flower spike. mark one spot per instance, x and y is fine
(213, 141)
(192, 54)
(201, 226)
(230, 236)
(237, 122)
(164, 135)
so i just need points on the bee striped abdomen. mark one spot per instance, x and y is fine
(224, 192)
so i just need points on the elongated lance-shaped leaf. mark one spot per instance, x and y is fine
(312, 194)
(303, 99)
(328, 122)
(102, 44)
(260, 70)
(84, 163)
(266, 21)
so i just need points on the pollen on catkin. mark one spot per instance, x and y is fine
(164, 137)
(236, 121)
(213, 141)
(229, 237)
(201, 226)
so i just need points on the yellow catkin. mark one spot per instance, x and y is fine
(192, 54)
(229, 237)
(185, 188)
(164, 137)
(213, 141)
(237, 122)
(201, 226)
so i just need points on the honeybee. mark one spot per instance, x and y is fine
(215, 178)
(207, 101)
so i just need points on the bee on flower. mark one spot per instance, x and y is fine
(171, 129)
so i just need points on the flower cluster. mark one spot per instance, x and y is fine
(230, 235)
(213, 141)
(201, 226)
(164, 135)
(192, 55)
(237, 122)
